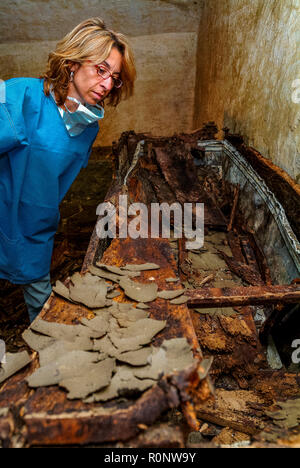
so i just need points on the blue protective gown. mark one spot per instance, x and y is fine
(38, 163)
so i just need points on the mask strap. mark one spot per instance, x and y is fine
(87, 107)
(97, 106)
(74, 100)
(68, 110)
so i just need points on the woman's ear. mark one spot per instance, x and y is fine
(74, 67)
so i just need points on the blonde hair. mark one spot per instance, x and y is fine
(90, 40)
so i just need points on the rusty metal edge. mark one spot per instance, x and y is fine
(92, 426)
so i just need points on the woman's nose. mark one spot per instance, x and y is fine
(108, 83)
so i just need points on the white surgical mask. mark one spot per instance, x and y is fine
(77, 121)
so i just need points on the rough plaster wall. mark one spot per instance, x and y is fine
(248, 57)
(160, 104)
(44, 20)
(164, 38)
(164, 101)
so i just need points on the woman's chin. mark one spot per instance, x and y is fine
(90, 102)
(94, 98)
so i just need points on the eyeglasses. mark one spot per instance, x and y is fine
(105, 74)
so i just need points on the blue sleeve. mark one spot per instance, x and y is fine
(85, 162)
(12, 125)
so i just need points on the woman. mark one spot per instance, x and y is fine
(47, 129)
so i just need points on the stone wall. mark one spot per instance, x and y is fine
(247, 61)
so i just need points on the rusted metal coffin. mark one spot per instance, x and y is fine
(48, 418)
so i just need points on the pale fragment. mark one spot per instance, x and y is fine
(36, 341)
(170, 294)
(96, 377)
(180, 300)
(139, 292)
(136, 358)
(141, 267)
(88, 290)
(14, 363)
(72, 364)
